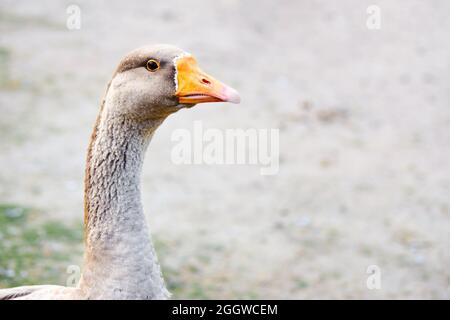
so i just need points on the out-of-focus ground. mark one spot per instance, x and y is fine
(364, 119)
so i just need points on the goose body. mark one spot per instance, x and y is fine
(120, 262)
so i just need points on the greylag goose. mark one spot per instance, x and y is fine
(120, 262)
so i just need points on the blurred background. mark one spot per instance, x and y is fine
(364, 118)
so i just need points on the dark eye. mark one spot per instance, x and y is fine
(152, 65)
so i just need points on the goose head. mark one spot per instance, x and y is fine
(155, 81)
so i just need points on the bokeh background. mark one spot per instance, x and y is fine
(364, 119)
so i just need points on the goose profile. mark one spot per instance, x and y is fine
(149, 84)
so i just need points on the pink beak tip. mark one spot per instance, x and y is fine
(231, 95)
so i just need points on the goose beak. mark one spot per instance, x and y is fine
(195, 86)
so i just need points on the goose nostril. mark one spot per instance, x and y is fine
(206, 81)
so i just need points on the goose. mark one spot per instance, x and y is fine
(120, 262)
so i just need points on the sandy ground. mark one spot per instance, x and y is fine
(364, 120)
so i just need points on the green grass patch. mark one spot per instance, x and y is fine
(33, 252)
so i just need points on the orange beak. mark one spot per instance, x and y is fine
(195, 86)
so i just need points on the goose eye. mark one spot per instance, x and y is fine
(152, 65)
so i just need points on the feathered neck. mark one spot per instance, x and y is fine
(120, 261)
